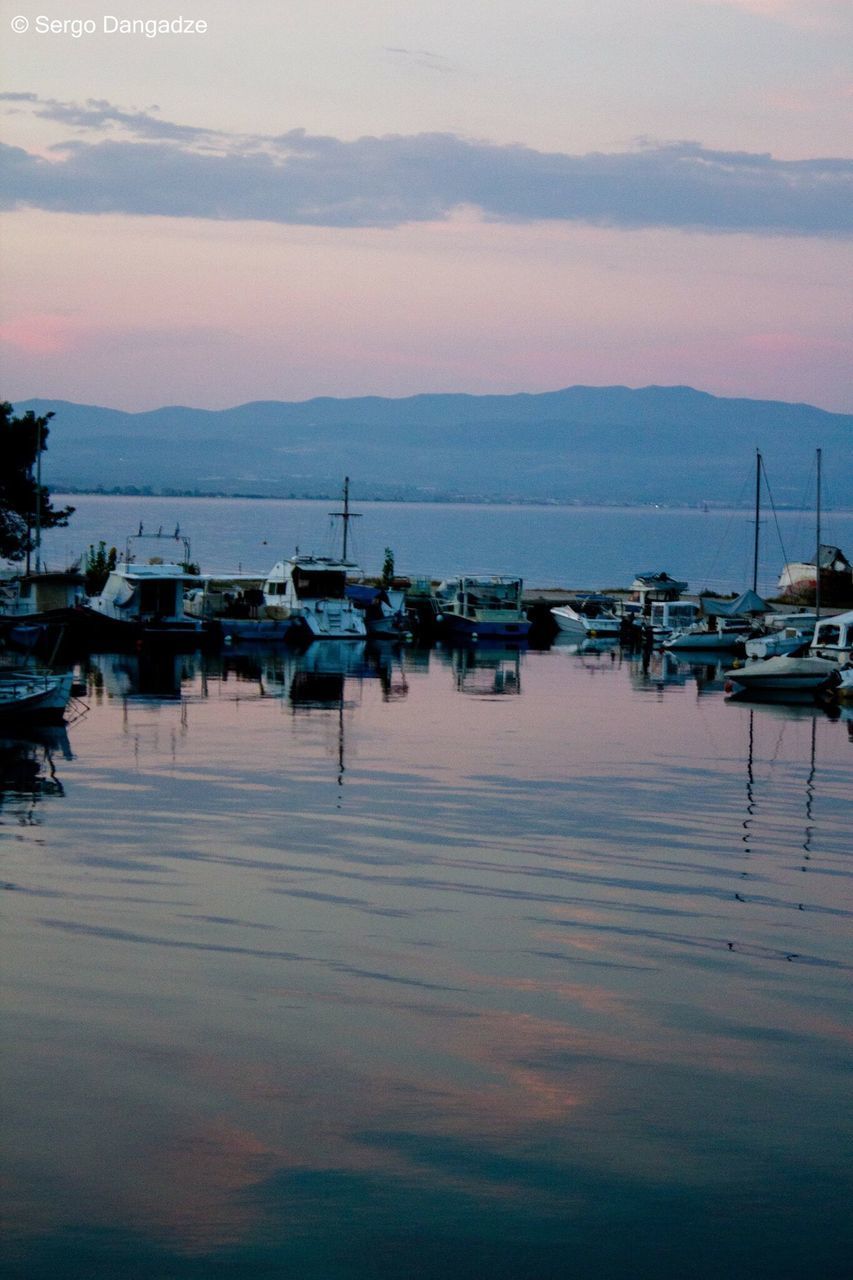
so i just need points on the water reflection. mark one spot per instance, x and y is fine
(323, 970)
(28, 768)
(486, 672)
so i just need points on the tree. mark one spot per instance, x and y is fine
(24, 504)
(99, 565)
(388, 568)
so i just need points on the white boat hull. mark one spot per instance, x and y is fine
(705, 641)
(568, 622)
(783, 672)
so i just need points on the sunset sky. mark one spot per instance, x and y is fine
(348, 198)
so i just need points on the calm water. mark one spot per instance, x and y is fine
(346, 966)
(547, 546)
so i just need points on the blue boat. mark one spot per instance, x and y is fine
(481, 608)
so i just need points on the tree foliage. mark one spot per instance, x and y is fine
(21, 497)
(388, 568)
(98, 567)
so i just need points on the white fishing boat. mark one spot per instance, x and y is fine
(781, 674)
(311, 591)
(33, 694)
(148, 599)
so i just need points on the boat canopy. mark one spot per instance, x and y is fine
(364, 595)
(746, 603)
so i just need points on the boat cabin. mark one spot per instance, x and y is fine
(145, 593)
(482, 607)
(24, 595)
(313, 590)
(667, 616)
(834, 634)
(656, 586)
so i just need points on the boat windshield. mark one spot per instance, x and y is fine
(674, 615)
(319, 584)
(828, 633)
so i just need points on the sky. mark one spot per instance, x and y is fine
(378, 198)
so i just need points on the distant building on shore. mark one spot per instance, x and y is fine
(836, 575)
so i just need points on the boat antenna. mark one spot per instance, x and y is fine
(817, 553)
(757, 515)
(346, 515)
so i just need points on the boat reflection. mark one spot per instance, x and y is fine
(313, 676)
(486, 672)
(150, 673)
(28, 773)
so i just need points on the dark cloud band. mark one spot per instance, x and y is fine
(139, 164)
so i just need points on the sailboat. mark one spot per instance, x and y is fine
(786, 673)
(727, 623)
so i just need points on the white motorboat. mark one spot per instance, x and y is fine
(311, 591)
(589, 617)
(781, 673)
(668, 616)
(26, 694)
(727, 636)
(780, 640)
(833, 636)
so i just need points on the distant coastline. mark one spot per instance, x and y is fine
(657, 447)
(443, 499)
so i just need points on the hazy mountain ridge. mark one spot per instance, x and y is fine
(588, 444)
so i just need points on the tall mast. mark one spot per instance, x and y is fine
(346, 515)
(757, 512)
(38, 500)
(817, 552)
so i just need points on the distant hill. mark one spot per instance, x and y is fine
(666, 445)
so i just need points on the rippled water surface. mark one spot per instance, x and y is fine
(426, 964)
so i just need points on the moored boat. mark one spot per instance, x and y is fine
(833, 635)
(668, 616)
(592, 616)
(783, 673)
(147, 601)
(726, 637)
(788, 639)
(481, 608)
(310, 593)
(384, 609)
(28, 695)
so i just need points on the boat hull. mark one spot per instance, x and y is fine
(259, 630)
(27, 696)
(569, 624)
(704, 641)
(781, 674)
(485, 629)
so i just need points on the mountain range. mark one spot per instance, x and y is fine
(667, 445)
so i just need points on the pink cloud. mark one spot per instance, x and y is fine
(39, 335)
